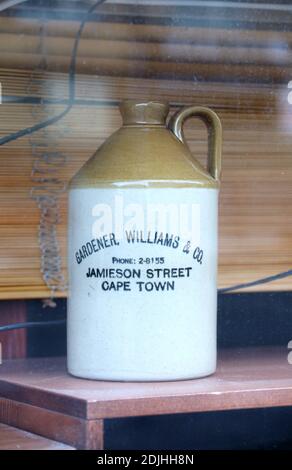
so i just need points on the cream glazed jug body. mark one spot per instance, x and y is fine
(142, 251)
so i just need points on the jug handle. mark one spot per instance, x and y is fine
(213, 124)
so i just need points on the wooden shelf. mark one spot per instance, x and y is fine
(15, 439)
(38, 395)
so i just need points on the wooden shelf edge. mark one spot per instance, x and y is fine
(12, 438)
(245, 378)
(39, 396)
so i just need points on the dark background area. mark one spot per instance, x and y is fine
(248, 319)
(220, 430)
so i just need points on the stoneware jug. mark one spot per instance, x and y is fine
(142, 251)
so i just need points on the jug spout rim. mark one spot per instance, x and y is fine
(137, 112)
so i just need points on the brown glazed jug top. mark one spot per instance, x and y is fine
(146, 152)
(147, 112)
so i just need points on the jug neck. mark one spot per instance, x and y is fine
(144, 113)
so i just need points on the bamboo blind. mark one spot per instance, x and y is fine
(151, 51)
(183, 63)
(256, 193)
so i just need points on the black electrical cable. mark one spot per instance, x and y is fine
(72, 72)
(220, 291)
(263, 280)
(29, 130)
(32, 324)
